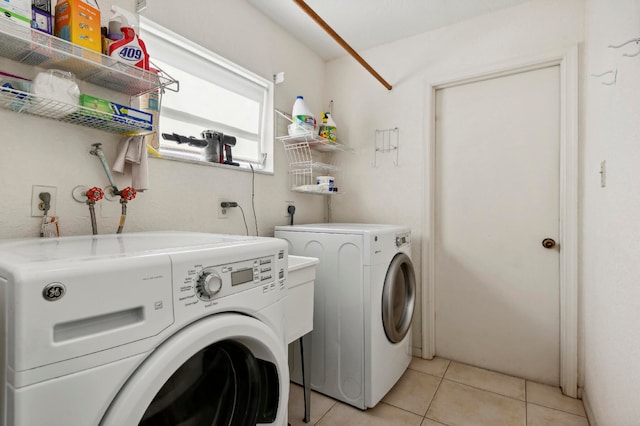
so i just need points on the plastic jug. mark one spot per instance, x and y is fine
(303, 119)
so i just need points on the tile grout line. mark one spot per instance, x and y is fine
(325, 413)
(558, 409)
(485, 390)
(403, 409)
(437, 389)
(553, 408)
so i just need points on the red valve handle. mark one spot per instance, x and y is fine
(128, 193)
(95, 194)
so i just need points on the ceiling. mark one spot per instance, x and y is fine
(368, 23)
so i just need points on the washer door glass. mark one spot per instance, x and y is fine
(225, 369)
(398, 298)
(222, 384)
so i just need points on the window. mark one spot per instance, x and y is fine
(215, 94)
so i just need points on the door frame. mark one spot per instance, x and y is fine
(567, 60)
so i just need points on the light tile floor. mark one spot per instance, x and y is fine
(440, 392)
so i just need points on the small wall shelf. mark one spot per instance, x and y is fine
(33, 47)
(302, 167)
(315, 142)
(386, 141)
(22, 102)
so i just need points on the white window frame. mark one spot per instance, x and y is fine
(152, 30)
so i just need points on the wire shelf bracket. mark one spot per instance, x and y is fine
(629, 55)
(612, 81)
(386, 141)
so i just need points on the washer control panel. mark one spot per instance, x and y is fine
(403, 239)
(214, 281)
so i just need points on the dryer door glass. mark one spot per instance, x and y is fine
(222, 384)
(398, 298)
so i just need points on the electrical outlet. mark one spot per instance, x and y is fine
(223, 213)
(37, 205)
(286, 207)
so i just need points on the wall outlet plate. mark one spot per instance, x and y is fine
(140, 5)
(37, 206)
(286, 207)
(223, 213)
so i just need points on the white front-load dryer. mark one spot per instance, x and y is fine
(364, 298)
(163, 328)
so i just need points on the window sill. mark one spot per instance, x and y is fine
(207, 164)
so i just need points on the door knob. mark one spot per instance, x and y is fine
(548, 243)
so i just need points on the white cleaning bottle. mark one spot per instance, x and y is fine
(303, 119)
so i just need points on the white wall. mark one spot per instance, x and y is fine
(610, 271)
(35, 151)
(390, 194)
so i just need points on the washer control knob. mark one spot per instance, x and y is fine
(209, 284)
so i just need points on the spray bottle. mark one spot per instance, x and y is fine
(327, 129)
(129, 48)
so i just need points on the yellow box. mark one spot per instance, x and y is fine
(79, 23)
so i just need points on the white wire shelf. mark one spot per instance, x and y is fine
(33, 47)
(314, 141)
(300, 157)
(302, 168)
(313, 189)
(27, 103)
(302, 180)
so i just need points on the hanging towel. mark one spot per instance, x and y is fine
(133, 150)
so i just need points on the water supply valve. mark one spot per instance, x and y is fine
(95, 194)
(128, 193)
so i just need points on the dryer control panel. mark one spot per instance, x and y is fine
(403, 239)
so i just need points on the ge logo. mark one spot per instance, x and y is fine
(53, 292)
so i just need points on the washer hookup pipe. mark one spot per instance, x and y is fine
(126, 195)
(97, 151)
(94, 195)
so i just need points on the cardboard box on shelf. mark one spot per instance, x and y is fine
(79, 23)
(17, 11)
(110, 111)
(41, 21)
(43, 5)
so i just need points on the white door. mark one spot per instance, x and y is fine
(496, 200)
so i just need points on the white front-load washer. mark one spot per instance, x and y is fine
(364, 300)
(163, 328)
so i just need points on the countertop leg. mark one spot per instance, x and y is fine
(305, 355)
